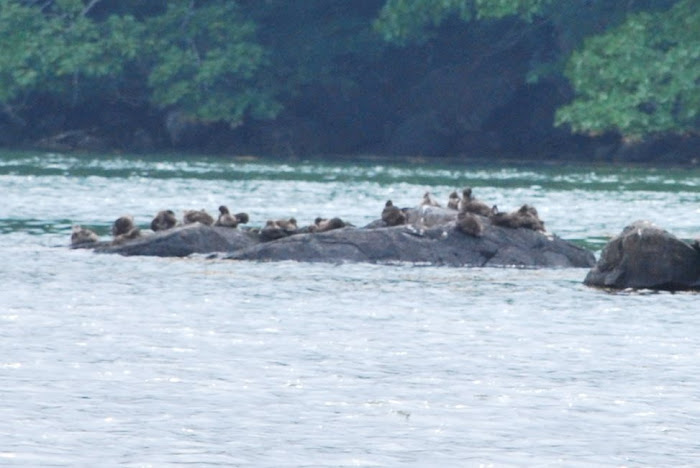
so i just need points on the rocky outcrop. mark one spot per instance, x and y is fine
(432, 237)
(183, 241)
(645, 256)
(437, 245)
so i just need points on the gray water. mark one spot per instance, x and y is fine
(108, 360)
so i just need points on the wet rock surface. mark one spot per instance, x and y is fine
(432, 236)
(645, 256)
(437, 245)
(183, 241)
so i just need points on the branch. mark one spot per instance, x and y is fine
(44, 6)
(89, 7)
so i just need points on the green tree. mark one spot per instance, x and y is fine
(404, 21)
(317, 41)
(639, 78)
(57, 49)
(213, 60)
(205, 61)
(634, 66)
(201, 57)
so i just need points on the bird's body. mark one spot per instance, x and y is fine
(393, 215)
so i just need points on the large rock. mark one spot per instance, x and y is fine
(645, 256)
(438, 245)
(432, 238)
(183, 241)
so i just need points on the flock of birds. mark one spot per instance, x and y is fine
(124, 228)
(471, 211)
(470, 220)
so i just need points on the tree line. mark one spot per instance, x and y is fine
(632, 67)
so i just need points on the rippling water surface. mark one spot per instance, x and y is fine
(107, 360)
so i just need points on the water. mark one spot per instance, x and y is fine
(108, 360)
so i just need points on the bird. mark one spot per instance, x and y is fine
(242, 218)
(470, 224)
(469, 204)
(525, 217)
(124, 229)
(453, 201)
(392, 215)
(197, 216)
(80, 235)
(276, 229)
(429, 200)
(288, 225)
(323, 224)
(163, 221)
(226, 219)
(123, 225)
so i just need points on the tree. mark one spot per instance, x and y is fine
(640, 78)
(210, 60)
(202, 59)
(634, 66)
(205, 61)
(405, 21)
(57, 49)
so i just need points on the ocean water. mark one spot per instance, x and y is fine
(136, 361)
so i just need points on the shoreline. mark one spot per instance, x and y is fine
(367, 157)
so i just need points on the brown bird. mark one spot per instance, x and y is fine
(242, 218)
(124, 229)
(470, 224)
(453, 201)
(226, 219)
(122, 225)
(276, 229)
(289, 225)
(197, 216)
(392, 215)
(525, 217)
(163, 221)
(429, 200)
(469, 204)
(323, 225)
(80, 235)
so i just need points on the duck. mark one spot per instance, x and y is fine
(469, 204)
(470, 224)
(123, 225)
(323, 224)
(525, 217)
(392, 215)
(123, 229)
(528, 218)
(242, 218)
(163, 221)
(80, 236)
(453, 201)
(429, 200)
(226, 219)
(197, 216)
(277, 229)
(288, 225)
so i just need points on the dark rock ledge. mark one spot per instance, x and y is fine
(183, 241)
(645, 256)
(431, 237)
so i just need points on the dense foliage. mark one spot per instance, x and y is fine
(202, 59)
(637, 73)
(641, 77)
(404, 21)
(634, 66)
